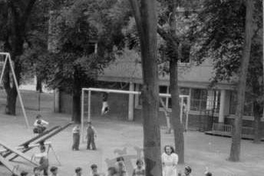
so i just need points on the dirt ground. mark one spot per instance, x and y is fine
(117, 138)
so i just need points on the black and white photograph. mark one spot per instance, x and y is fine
(131, 88)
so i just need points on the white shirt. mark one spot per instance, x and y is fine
(42, 123)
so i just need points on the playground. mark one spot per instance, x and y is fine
(118, 137)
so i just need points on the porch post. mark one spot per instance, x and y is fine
(131, 103)
(221, 117)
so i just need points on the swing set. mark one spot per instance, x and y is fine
(5, 59)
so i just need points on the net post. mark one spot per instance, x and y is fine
(89, 105)
(181, 106)
(82, 116)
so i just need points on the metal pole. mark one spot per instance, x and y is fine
(82, 117)
(89, 106)
(263, 45)
(3, 69)
(126, 92)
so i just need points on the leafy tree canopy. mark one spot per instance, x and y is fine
(78, 27)
(219, 35)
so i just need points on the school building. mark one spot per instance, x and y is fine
(207, 105)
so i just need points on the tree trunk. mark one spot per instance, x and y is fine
(14, 42)
(236, 134)
(10, 88)
(11, 101)
(76, 97)
(146, 20)
(39, 85)
(175, 101)
(76, 107)
(174, 88)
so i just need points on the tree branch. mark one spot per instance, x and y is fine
(168, 36)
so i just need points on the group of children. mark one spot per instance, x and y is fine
(40, 126)
(118, 170)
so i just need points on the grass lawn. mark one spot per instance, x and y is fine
(117, 138)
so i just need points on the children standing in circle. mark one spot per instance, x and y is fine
(139, 170)
(91, 134)
(169, 161)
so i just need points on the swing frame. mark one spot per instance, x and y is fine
(9, 60)
(123, 92)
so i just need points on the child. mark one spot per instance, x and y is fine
(23, 173)
(36, 171)
(139, 170)
(105, 106)
(78, 171)
(187, 171)
(111, 171)
(120, 166)
(76, 137)
(54, 171)
(43, 160)
(91, 134)
(208, 174)
(40, 125)
(94, 170)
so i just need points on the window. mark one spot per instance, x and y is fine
(92, 48)
(183, 91)
(198, 99)
(164, 90)
(213, 100)
(248, 106)
(185, 54)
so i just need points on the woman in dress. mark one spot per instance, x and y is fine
(169, 161)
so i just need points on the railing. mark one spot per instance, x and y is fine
(224, 129)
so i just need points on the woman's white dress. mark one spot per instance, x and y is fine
(169, 163)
